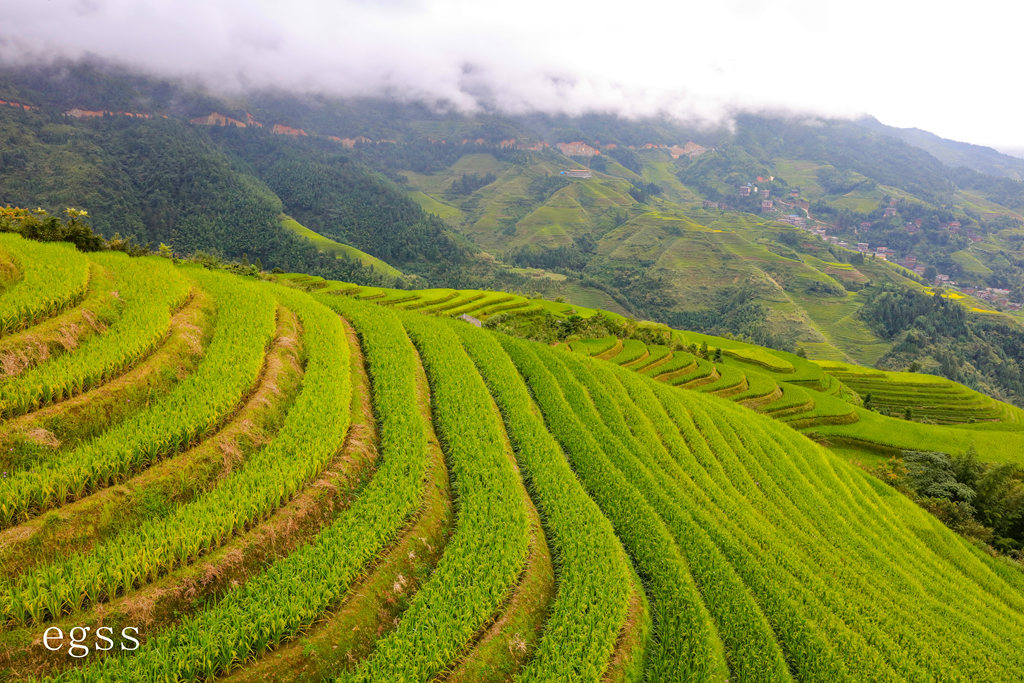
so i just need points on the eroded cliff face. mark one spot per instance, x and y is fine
(218, 119)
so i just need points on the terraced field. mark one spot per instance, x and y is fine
(806, 395)
(910, 411)
(479, 304)
(282, 486)
(778, 384)
(923, 397)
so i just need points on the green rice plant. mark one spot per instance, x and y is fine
(593, 571)
(54, 275)
(794, 399)
(681, 362)
(488, 550)
(427, 298)
(720, 497)
(850, 642)
(703, 370)
(930, 398)
(400, 298)
(196, 405)
(66, 330)
(150, 290)
(761, 388)
(464, 297)
(482, 304)
(827, 410)
(593, 347)
(298, 589)
(687, 646)
(632, 349)
(655, 352)
(731, 380)
(517, 303)
(874, 540)
(913, 584)
(739, 624)
(313, 432)
(762, 357)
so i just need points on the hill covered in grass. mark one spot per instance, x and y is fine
(254, 482)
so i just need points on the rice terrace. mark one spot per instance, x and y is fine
(434, 342)
(214, 475)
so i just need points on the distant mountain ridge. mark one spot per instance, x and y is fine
(953, 153)
(778, 229)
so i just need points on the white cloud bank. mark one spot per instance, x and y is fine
(947, 67)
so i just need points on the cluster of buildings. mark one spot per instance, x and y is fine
(751, 190)
(994, 295)
(801, 222)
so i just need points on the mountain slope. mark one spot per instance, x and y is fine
(668, 226)
(977, 157)
(338, 249)
(756, 550)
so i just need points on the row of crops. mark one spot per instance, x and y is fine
(924, 397)
(240, 488)
(479, 304)
(823, 398)
(791, 389)
(52, 277)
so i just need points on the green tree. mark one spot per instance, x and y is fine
(933, 475)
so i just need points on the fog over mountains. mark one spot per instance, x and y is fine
(693, 63)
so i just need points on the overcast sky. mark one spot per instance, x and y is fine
(952, 68)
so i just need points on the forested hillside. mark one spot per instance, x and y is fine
(775, 230)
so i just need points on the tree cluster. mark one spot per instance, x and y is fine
(981, 500)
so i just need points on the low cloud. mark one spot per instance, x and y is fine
(908, 66)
